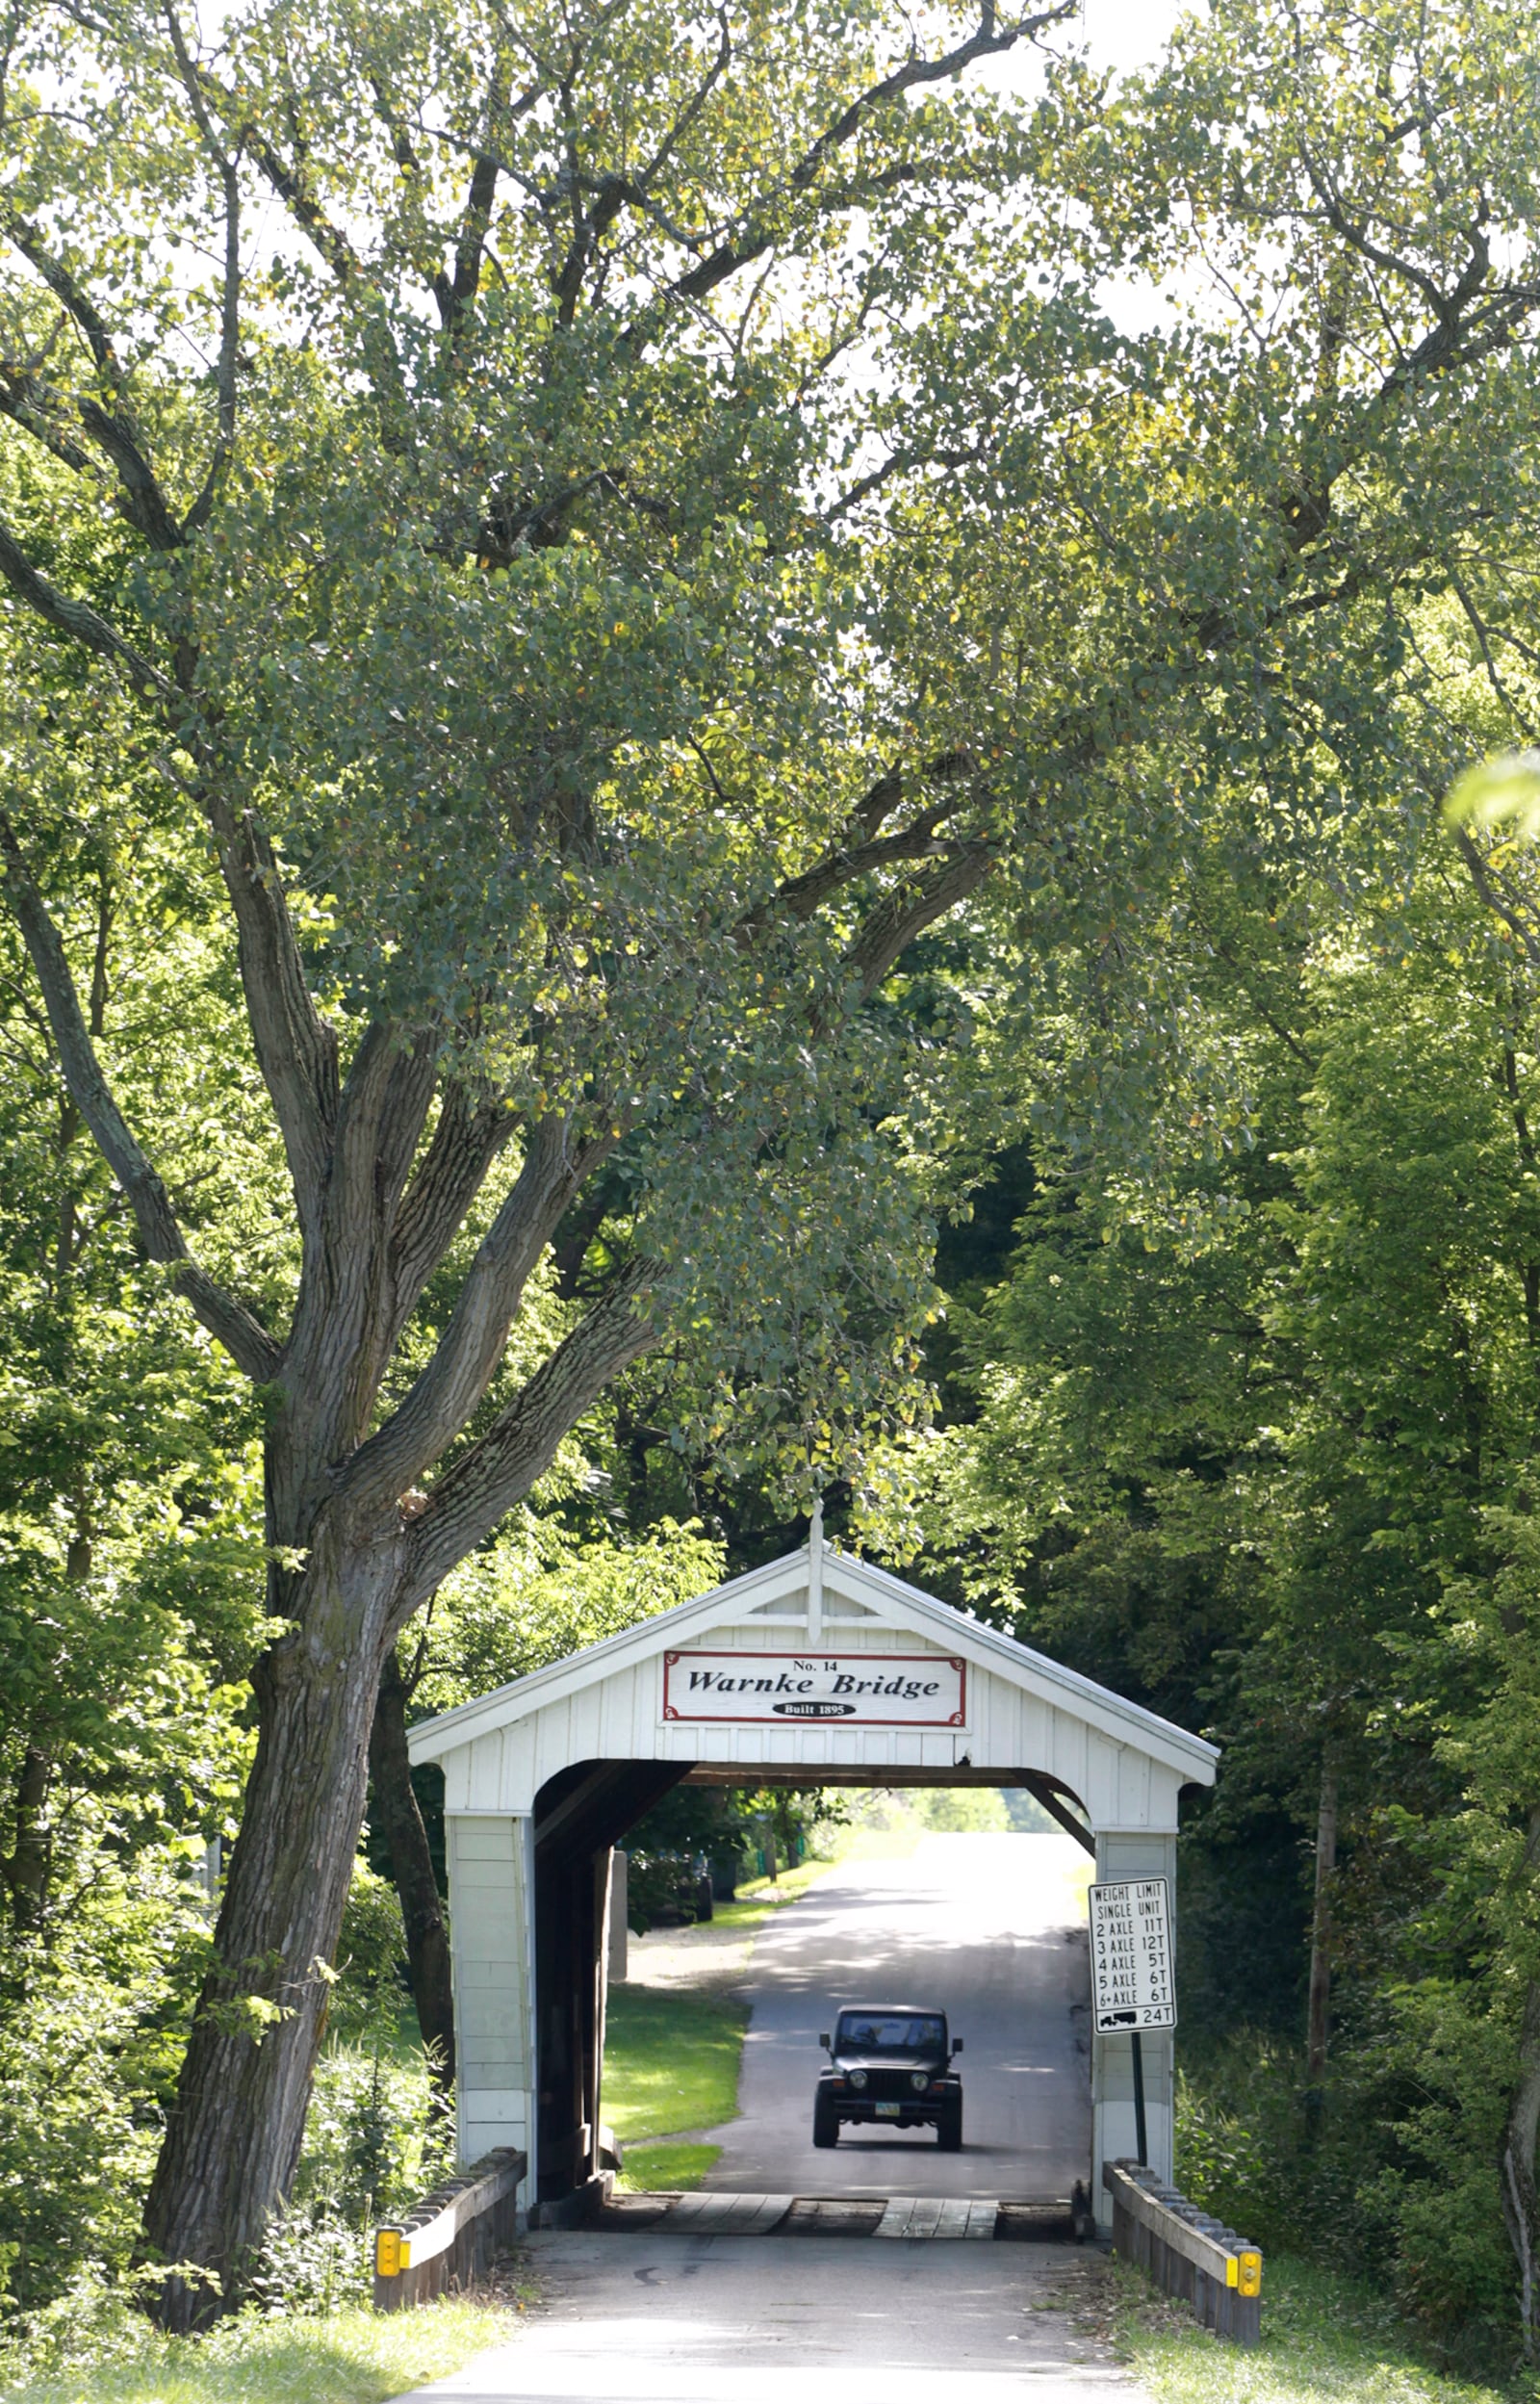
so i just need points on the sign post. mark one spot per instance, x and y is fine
(1131, 1982)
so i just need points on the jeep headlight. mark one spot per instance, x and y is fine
(919, 2081)
(857, 2078)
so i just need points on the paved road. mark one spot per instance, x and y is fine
(732, 2320)
(985, 1926)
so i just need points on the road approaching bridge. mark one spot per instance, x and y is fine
(987, 1929)
(657, 2319)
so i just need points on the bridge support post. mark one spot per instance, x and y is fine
(491, 1857)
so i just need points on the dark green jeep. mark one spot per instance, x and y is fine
(891, 2064)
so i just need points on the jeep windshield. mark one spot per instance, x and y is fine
(890, 2032)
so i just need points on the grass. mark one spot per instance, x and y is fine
(1324, 2338)
(656, 2169)
(355, 2356)
(670, 2060)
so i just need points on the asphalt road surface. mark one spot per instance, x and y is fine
(989, 1930)
(653, 2319)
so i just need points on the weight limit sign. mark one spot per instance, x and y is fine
(1131, 1982)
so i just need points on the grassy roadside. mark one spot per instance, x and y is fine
(1324, 2339)
(355, 2356)
(671, 2066)
(760, 1899)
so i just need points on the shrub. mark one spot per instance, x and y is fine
(86, 2055)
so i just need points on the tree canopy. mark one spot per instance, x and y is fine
(617, 568)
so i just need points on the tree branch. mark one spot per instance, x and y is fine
(210, 99)
(1486, 887)
(903, 914)
(23, 401)
(296, 1050)
(345, 1320)
(198, 516)
(77, 619)
(244, 1338)
(473, 1128)
(467, 1355)
(461, 289)
(799, 896)
(484, 1483)
(144, 505)
(753, 239)
(28, 240)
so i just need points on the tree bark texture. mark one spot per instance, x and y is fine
(395, 1813)
(26, 1873)
(233, 2136)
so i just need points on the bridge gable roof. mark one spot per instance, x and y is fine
(817, 1596)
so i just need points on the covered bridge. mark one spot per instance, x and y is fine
(817, 1669)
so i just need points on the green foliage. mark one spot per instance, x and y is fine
(368, 1997)
(1324, 2336)
(708, 650)
(1499, 793)
(950, 1809)
(1448, 2069)
(733, 1829)
(536, 1595)
(1256, 1443)
(377, 2140)
(103, 2351)
(88, 2045)
(130, 1583)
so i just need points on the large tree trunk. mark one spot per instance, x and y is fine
(234, 2133)
(1520, 2207)
(26, 1873)
(1320, 2009)
(396, 1814)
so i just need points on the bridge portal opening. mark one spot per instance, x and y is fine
(967, 1904)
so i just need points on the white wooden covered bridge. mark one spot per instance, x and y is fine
(817, 1669)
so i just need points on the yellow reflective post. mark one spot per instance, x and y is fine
(1250, 2270)
(387, 2252)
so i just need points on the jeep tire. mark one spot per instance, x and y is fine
(824, 2124)
(949, 2128)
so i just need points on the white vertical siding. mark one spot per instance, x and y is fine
(619, 1717)
(491, 1905)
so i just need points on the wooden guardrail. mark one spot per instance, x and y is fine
(450, 2237)
(1187, 2253)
